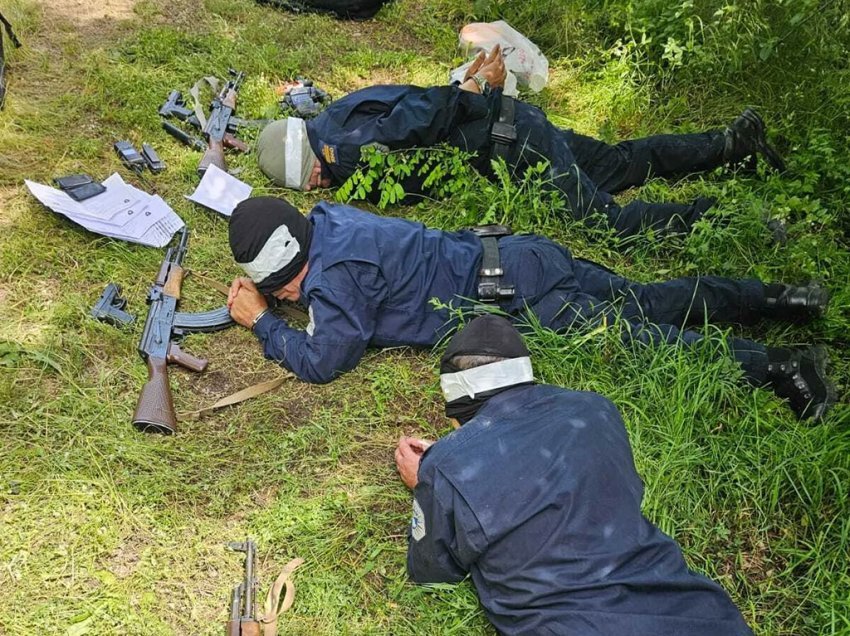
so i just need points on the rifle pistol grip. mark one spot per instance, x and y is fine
(186, 360)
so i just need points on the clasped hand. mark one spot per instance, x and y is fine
(245, 302)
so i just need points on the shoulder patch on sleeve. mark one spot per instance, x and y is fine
(311, 326)
(417, 524)
(330, 153)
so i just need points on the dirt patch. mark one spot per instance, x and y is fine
(126, 558)
(84, 12)
(265, 497)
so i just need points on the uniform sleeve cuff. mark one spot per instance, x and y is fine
(265, 323)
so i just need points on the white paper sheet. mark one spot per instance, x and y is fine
(123, 212)
(220, 191)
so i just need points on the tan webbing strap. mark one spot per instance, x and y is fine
(274, 605)
(235, 398)
(253, 390)
(210, 282)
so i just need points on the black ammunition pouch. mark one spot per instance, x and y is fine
(490, 288)
(503, 134)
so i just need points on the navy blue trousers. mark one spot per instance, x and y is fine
(588, 171)
(562, 291)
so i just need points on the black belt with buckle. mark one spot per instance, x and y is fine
(490, 288)
(503, 134)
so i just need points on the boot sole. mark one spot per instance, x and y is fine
(822, 298)
(771, 156)
(816, 412)
(817, 304)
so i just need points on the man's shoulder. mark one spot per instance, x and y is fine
(536, 394)
(522, 418)
(339, 220)
(378, 92)
(330, 209)
(345, 234)
(513, 412)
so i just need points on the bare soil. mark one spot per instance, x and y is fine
(83, 12)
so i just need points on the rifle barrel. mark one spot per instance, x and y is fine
(250, 555)
(181, 246)
(235, 602)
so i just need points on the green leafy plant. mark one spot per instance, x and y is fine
(382, 175)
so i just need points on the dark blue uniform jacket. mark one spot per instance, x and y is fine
(537, 497)
(370, 281)
(400, 117)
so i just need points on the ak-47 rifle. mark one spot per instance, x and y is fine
(175, 107)
(243, 611)
(158, 346)
(221, 111)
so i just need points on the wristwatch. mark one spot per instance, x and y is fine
(482, 83)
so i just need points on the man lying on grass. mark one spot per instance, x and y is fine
(536, 496)
(474, 117)
(368, 280)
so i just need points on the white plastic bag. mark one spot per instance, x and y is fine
(525, 64)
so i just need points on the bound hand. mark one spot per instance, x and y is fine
(236, 285)
(476, 64)
(492, 68)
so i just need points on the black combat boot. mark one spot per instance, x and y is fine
(683, 222)
(795, 304)
(799, 376)
(745, 137)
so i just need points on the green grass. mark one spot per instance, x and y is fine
(107, 531)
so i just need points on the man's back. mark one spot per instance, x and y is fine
(393, 266)
(538, 498)
(399, 117)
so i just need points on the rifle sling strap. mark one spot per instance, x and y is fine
(235, 398)
(275, 606)
(210, 282)
(195, 92)
(291, 311)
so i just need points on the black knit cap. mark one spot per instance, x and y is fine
(254, 221)
(487, 335)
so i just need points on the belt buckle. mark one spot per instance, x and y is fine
(503, 133)
(488, 292)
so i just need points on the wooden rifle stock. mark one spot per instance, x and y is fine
(214, 155)
(249, 628)
(155, 410)
(240, 627)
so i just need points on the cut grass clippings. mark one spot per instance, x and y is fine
(106, 531)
